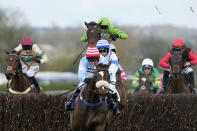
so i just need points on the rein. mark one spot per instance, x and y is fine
(79, 55)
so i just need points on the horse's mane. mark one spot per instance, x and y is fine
(101, 65)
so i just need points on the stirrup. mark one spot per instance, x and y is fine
(68, 106)
(116, 110)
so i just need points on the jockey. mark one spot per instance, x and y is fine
(108, 31)
(85, 71)
(103, 47)
(149, 69)
(189, 58)
(31, 56)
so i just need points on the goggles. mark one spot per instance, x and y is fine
(93, 59)
(103, 50)
(27, 47)
(147, 67)
(104, 27)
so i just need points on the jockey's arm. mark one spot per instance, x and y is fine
(84, 38)
(193, 58)
(82, 70)
(18, 48)
(156, 77)
(135, 81)
(164, 62)
(39, 54)
(114, 30)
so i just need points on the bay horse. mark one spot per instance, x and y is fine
(144, 84)
(177, 82)
(91, 112)
(19, 83)
(93, 34)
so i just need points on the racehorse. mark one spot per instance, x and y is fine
(177, 82)
(144, 84)
(93, 34)
(91, 111)
(19, 83)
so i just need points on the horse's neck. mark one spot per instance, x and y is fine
(91, 45)
(90, 94)
(178, 84)
(19, 82)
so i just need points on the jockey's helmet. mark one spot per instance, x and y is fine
(147, 63)
(103, 45)
(27, 43)
(92, 54)
(178, 44)
(105, 23)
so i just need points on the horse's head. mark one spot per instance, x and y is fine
(13, 64)
(176, 63)
(144, 83)
(102, 78)
(93, 34)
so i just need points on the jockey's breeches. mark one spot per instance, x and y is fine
(31, 71)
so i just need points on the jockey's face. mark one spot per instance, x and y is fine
(94, 63)
(27, 49)
(103, 51)
(93, 60)
(147, 70)
(104, 28)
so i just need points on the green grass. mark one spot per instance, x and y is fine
(50, 87)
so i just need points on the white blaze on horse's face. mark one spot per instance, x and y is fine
(102, 83)
(143, 79)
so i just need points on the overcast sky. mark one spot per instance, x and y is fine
(65, 13)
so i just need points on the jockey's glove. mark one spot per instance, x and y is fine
(114, 37)
(37, 61)
(87, 80)
(13, 52)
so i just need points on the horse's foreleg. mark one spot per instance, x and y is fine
(101, 127)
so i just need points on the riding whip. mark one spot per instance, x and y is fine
(79, 55)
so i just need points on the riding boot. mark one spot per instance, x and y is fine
(165, 79)
(192, 85)
(35, 83)
(68, 105)
(116, 110)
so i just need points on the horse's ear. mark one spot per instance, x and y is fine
(99, 24)
(171, 51)
(6, 51)
(182, 51)
(141, 74)
(87, 25)
(97, 66)
(108, 64)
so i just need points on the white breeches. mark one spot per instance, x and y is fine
(31, 71)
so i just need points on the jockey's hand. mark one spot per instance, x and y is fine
(187, 64)
(114, 37)
(87, 80)
(36, 61)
